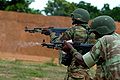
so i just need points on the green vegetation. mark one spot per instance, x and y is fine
(64, 8)
(18, 5)
(19, 70)
(59, 8)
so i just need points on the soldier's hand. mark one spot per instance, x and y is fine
(67, 47)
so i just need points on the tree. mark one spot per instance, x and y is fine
(59, 8)
(64, 8)
(115, 13)
(106, 10)
(18, 5)
(3, 4)
(94, 12)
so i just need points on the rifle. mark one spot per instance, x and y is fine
(84, 47)
(34, 30)
(67, 58)
(46, 31)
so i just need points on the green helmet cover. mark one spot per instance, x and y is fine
(81, 14)
(103, 25)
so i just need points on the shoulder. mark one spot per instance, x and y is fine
(77, 28)
(109, 37)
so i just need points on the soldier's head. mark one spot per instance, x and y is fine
(80, 16)
(102, 25)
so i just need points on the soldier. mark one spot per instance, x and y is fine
(78, 33)
(105, 53)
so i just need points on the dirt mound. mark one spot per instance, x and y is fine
(118, 27)
(14, 40)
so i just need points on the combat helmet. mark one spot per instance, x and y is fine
(81, 15)
(103, 25)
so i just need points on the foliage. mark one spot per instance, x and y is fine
(115, 13)
(106, 10)
(94, 12)
(18, 5)
(59, 7)
(64, 8)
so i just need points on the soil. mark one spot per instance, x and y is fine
(15, 43)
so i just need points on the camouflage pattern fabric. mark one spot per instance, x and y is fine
(77, 72)
(76, 33)
(106, 54)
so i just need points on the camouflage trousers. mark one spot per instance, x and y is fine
(112, 73)
(77, 72)
(84, 78)
(78, 76)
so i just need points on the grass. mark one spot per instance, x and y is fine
(20, 70)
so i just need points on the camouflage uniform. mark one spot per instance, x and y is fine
(106, 52)
(76, 33)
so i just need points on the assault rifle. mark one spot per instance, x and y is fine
(46, 31)
(84, 47)
(67, 58)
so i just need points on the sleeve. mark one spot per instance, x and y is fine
(54, 38)
(92, 56)
(67, 35)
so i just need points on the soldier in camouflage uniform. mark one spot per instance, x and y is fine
(77, 33)
(105, 53)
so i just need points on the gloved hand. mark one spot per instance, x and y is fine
(67, 47)
(46, 31)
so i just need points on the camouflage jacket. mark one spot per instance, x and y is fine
(76, 33)
(106, 54)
